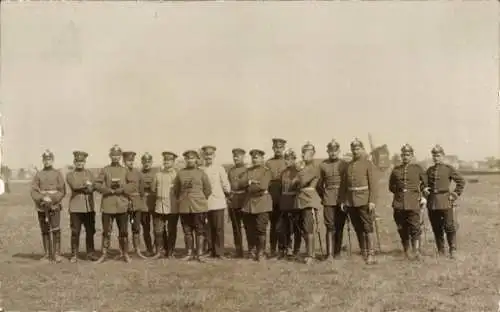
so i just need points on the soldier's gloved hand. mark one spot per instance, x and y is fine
(453, 196)
(371, 207)
(426, 191)
(423, 201)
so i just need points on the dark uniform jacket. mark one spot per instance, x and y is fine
(276, 166)
(358, 187)
(289, 189)
(257, 199)
(330, 177)
(112, 203)
(440, 177)
(407, 183)
(238, 192)
(48, 182)
(307, 181)
(134, 189)
(149, 193)
(192, 189)
(82, 196)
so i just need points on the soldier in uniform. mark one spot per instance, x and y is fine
(441, 201)
(148, 175)
(81, 205)
(237, 199)
(114, 203)
(358, 192)
(276, 164)
(47, 191)
(406, 182)
(192, 190)
(331, 172)
(134, 190)
(307, 200)
(217, 202)
(287, 225)
(166, 211)
(258, 203)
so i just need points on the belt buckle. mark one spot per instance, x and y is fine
(405, 190)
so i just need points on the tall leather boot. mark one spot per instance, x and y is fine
(105, 248)
(188, 240)
(75, 244)
(159, 246)
(452, 243)
(46, 248)
(89, 244)
(239, 248)
(310, 249)
(415, 246)
(124, 249)
(362, 244)
(406, 248)
(136, 242)
(330, 245)
(337, 246)
(57, 246)
(261, 247)
(370, 245)
(199, 248)
(297, 242)
(439, 244)
(148, 242)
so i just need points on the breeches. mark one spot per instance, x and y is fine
(193, 223)
(256, 224)
(361, 218)
(170, 220)
(140, 218)
(335, 218)
(53, 222)
(442, 221)
(77, 219)
(408, 223)
(121, 220)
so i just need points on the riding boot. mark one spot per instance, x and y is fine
(46, 247)
(452, 243)
(159, 246)
(124, 248)
(362, 244)
(370, 246)
(261, 247)
(188, 240)
(57, 246)
(330, 245)
(439, 244)
(309, 248)
(105, 248)
(199, 248)
(136, 242)
(89, 244)
(415, 245)
(166, 239)
(297, 242)
(148, 242)
(75, 242)
(406, 248)
(337, 243)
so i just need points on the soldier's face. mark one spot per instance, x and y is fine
(238, 159)
(406, 157)
(278, 150)
(48, 162)
(168, 163)
(115, 158)
(129, 163)
(257, 159)
(191, 161)
(308, 155)
(79, 164)
(147, 164)
(437, 158)
(356, 151)
(209, 158)
(333, 153)
(289, 161)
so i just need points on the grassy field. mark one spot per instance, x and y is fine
(470, 283)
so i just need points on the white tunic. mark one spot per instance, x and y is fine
(163, 186)
(220, 185)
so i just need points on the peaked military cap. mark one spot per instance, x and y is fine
(190, 153)
(308, 147)
(115, 150)
(290, 153)
(279, 142)
(47, 154)
(437, 149)
(333, 145)
(128, 155)
(238, 151)
(407, 148)
(208, 149)
(169, 155)
(147, 157)
(80, 155)
(357, 143)
(257, 152)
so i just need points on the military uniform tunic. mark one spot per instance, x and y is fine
(149, 192)
(80, 201)
(238, 191)
(192, 188)
(289, 189)
(134, 189)
(440, 177)
(257, 199)
(112, 203)
(163, 187)
(276, 166)
(331, 173)
(406, 183)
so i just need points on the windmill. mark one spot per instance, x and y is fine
(380, 155)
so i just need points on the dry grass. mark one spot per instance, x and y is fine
(470, 283)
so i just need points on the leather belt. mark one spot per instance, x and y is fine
(238, 192)
(49, 192)
(358, 188)
(440, 192)
(309, 188)
(332, 187)
(289, 193)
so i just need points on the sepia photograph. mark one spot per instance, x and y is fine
(237, 156)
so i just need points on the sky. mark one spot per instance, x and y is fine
(175, 76)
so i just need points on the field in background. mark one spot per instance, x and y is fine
(471, 283)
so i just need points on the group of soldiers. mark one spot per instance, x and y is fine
(286, 191)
